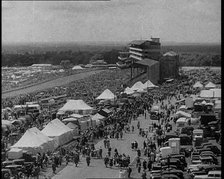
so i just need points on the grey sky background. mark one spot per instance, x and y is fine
(191, 21)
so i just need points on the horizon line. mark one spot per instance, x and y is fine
(74, 42)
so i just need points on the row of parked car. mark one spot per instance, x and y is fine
(18, 166)
(172, 166)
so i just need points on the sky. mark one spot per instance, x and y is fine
(189, 21)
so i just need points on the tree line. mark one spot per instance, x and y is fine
(85, 57)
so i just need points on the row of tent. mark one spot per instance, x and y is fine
(139, 87)
(199, 85)
(52, 136)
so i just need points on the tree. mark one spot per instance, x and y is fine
(96, 57)
(66, 64)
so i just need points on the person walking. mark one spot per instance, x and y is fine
(138, 152)
(132, 128)
(144, 175)
(67, 158)
(149, 164)
(111, 162)
(106, 161)
(121, 134)
(144, 164)
(100, 152)
(139, 167)
(109, 152)
(88, 160)
(129, 171)
(138, 125)
(53, 167)
(76, 160)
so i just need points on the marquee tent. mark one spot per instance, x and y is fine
(31, 143)
(149, 84)
(217, 93)
(128, 91)
(77, 67)
(206, 94)
(97, 116)
(77, 106)
(198, 85)
(74, 127)
(210, 85)
(106, 95)
(15, 153)
(138, 86)
(50, 143)
(57, 130)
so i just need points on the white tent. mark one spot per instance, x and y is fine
(183, 107)
(203, 102)
(198, 85)
(77, 116)
(15, 153)
(210, 85)
(57, 130)
(74, 127)
(218, 105)
(138, 86)
(31, 142)
(50, 143)
(217, 93)
(71, 119)
(149, 84)
(128, 91)
(182, 114)
(206, 94)
(77, 106)
(6, 122)
(106, 95)
(77, 67)
(155, 108)
(97, 116)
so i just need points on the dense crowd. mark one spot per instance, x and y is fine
(116, 125)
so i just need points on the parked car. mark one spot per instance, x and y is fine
(170, 176)
(214, 159)
(214, 149)
(195, 159)
(208, 160)
(203, 144)
(180, 157)
(5, 171)
(179, 173)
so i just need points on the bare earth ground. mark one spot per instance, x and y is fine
(49, 84)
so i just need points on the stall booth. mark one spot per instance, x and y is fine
(165, 151)
(182, 122)
(198, 137)
(174, 144)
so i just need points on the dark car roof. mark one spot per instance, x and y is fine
(170, 176)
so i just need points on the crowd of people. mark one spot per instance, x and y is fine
(116, 124)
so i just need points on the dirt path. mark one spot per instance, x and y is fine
(49, 84)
